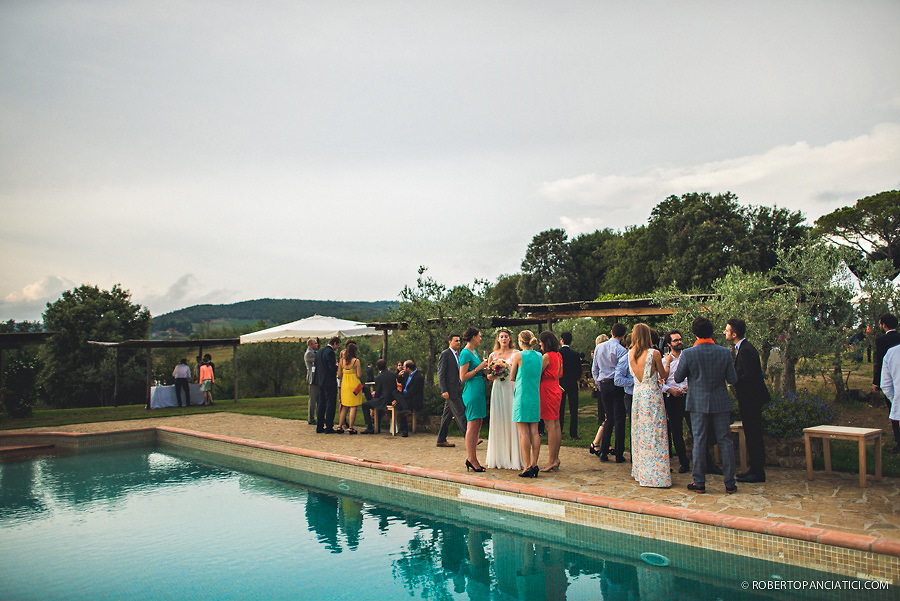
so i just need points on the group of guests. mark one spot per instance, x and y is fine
(206, 375)
(635, 379)
(403, 389)
(531, 384)
(526, 390)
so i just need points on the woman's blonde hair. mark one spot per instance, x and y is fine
(640, 339)
(526, 337)
(497, 339)
(601, 338)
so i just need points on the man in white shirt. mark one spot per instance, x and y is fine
(891, 338)
(890, 385)
(182, 375)
(674, 397)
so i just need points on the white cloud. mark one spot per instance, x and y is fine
(49, 286)
(186, 291)
(30, 302)
(813, 179)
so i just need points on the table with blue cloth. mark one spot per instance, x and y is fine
(164, 396)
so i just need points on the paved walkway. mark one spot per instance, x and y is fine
(834, 502)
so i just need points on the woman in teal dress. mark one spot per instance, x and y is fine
(474, 393)
(525, 371)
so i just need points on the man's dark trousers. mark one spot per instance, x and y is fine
(675, 412)
(613, 398)
(570, 393)
(716, 427)
(183, 384)
(327, 404)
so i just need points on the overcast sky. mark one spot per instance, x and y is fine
(223, 151)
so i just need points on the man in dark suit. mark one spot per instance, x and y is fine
(752, 395)
(451, 390)
(385, 394)
(326, 379)
(883, 343)
(708, 366)
(413, 386)
(571, 375)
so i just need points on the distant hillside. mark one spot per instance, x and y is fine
(273, 311)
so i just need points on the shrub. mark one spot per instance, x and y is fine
(786, 416)
(20, 392)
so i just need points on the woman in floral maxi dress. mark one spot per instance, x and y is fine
(649, 441)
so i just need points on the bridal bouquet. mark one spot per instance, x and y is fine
(499, 369)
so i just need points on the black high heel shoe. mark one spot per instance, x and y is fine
(533, 471)
(469, 466)
(594, 450)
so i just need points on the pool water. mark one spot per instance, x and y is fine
(142, 524)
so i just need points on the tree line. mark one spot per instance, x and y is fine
(194, 319)
(690, 241)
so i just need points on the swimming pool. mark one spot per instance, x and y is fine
(144, 524)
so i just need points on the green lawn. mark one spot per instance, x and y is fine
(294, 407)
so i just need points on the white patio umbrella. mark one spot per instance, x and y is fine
(317, 326)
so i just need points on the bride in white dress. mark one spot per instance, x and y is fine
(503, 450)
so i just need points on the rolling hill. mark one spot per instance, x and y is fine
(273, 311)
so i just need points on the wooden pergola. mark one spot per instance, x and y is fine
(545, 314)
(631, 307)
(149, 345)
(386, 327)
(16, 340)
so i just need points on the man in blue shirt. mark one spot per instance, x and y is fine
(624, 378)
(603, 369)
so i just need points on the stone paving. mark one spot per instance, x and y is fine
(833, 502)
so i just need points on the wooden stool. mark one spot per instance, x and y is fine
(395, 424)
(829, 433)
(377, 420)
(742, 441)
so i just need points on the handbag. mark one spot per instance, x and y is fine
(358, 388)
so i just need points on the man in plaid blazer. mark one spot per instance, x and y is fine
(707, 366)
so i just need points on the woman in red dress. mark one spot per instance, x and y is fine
(551, 396)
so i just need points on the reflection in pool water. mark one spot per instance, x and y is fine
(137, 524)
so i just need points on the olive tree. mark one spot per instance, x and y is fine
(433, 311)
(801, 308)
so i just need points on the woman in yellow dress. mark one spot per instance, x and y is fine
(351, 388)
